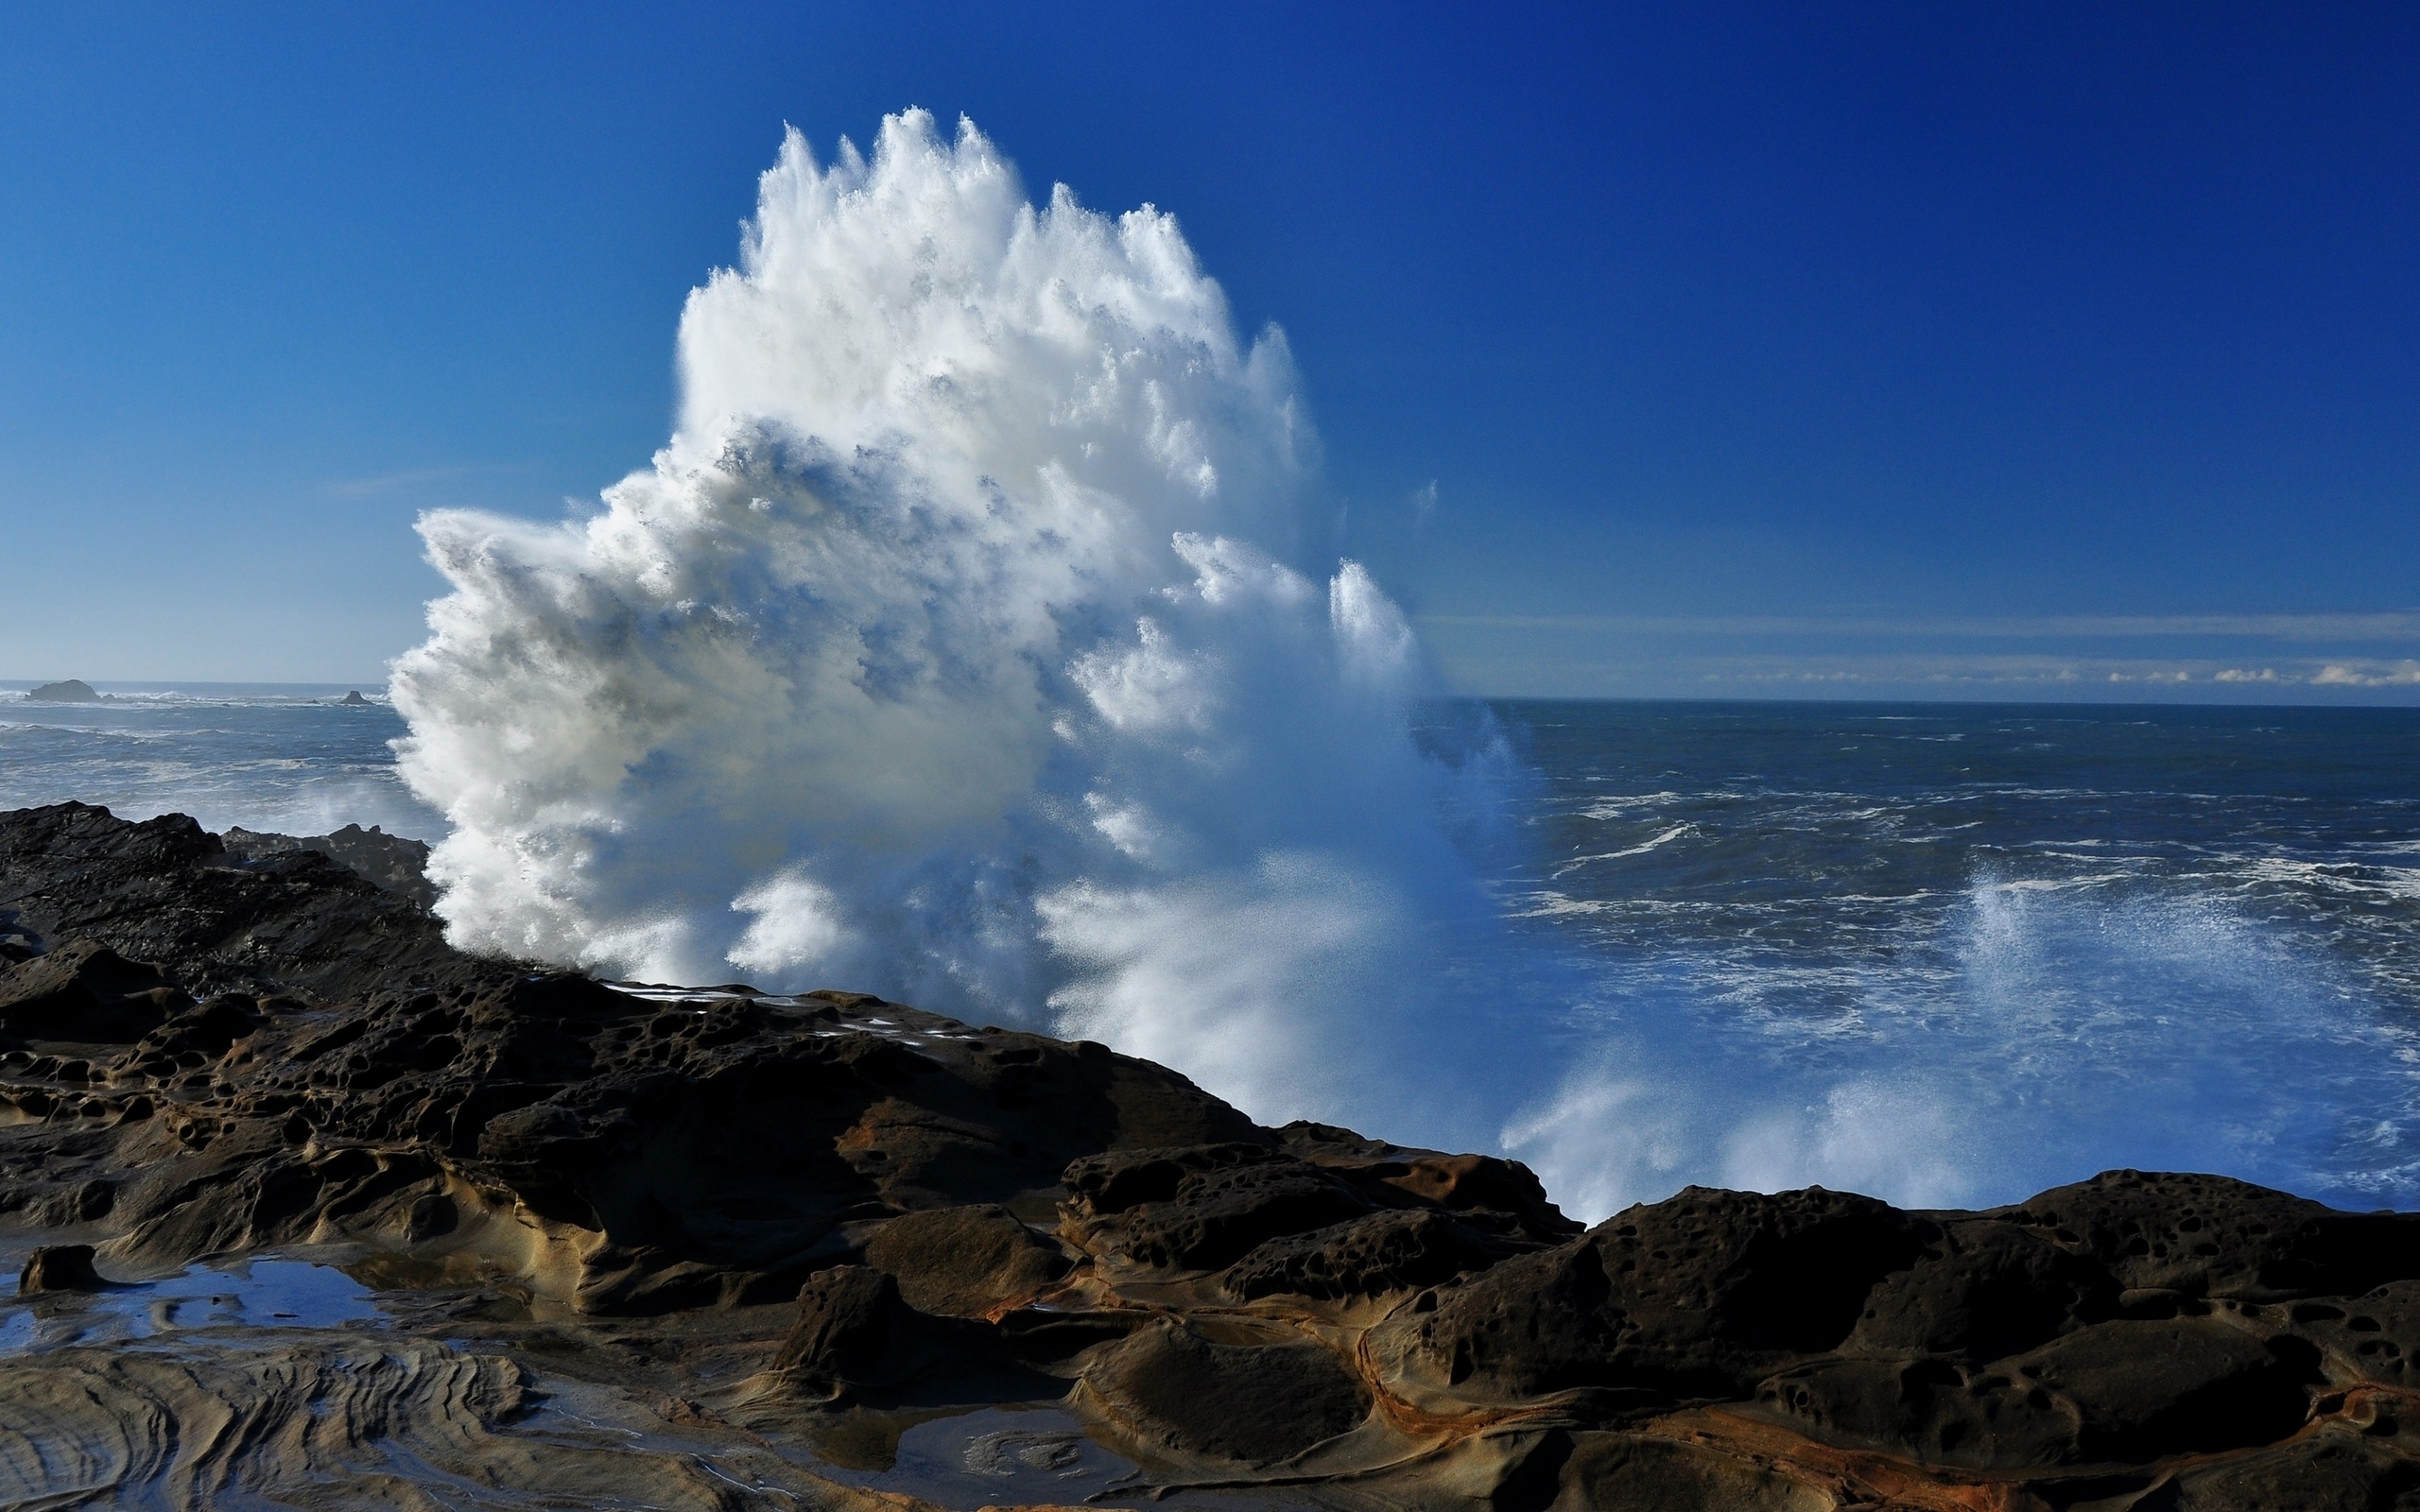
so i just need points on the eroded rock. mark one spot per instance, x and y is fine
(84, 992)
(965, 1262)
(1703, 1295)
(393, 861)
(1263, 1403)
(828, 1215)
(60, 1269)
(2214, 1236)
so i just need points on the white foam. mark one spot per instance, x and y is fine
(2063, 1031)
(956, 647)
(1670, 834)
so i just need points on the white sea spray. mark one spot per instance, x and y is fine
(958, 647)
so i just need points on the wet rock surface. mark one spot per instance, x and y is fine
(391, 861)
(755, 1244)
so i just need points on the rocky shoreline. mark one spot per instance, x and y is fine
(632, 1244)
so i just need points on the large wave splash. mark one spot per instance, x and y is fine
(956, 648)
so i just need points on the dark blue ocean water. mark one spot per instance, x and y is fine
(1947, 954)
(1790, 841)
(1957, 952)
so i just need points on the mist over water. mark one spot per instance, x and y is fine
(960, 645)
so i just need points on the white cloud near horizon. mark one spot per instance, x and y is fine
(2371, 675)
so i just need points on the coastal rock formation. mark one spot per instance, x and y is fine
(392, 861)
(765, 1232)
(329, 1420)
(169, 893)
(75, 690)
(58, 1268)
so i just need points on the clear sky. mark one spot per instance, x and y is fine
(1835, 349)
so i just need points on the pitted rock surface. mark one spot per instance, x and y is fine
(806, 1223)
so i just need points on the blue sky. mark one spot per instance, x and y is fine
(1857, 350)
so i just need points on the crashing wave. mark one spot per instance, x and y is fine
(956, 647)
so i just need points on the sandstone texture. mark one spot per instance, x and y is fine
(640, 1244)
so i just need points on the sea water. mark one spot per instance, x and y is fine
(1943, 953)
(291, 758)
(1957, 952)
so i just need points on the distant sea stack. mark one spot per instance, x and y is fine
(774, 1233)
(72, 690)
(354, 700)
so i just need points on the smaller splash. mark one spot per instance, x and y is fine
(2073, 1025)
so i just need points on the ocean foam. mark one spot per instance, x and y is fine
(958, 647)
(2052, 1033)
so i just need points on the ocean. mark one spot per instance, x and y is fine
(1948, 953)
(1963, 951)
(291, 758)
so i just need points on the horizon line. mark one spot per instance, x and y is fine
(2382, 625)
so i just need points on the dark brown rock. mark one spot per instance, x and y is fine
(2144, 1390)
(1370, 1256)
(1982, 1290)
(1182, 1395)
(2331, 1474)
(964, 1261)
(2213, 1236)
(1701, 1294)
(2374, 1336)
(1218, 1211)
(1489, 1193)
(60, 1269)
(1602, 1470)
(715, 1146)
(2116, 1393)
(393, 861)
(852, 1330)
(1930, 1409)
(855, 1339)
(1116, 1182)
(167, 892)
(84, 992)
